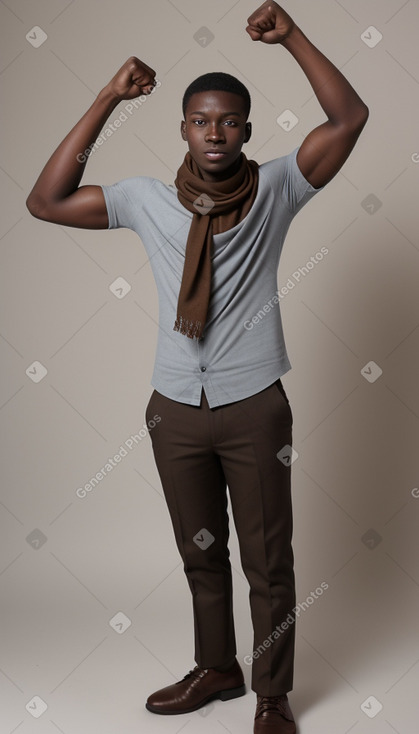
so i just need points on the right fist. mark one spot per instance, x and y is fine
(132, 79)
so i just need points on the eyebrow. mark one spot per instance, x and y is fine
(225, 114)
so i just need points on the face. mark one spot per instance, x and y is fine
(215, 129)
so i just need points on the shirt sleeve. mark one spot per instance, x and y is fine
(125, 200)
(288, 181)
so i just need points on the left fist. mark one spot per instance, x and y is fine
(269, 23)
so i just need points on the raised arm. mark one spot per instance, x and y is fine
(56, 196)
(326, 148)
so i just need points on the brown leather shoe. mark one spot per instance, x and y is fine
(195, 690)
(274, 715)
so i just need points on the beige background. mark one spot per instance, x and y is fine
(70, 564)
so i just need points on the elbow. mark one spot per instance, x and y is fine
(353, 123)
(355, 116)
(36, 206)
(361, 117)
(30, 205)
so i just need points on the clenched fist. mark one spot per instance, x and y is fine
(132, 79)
(269, 23)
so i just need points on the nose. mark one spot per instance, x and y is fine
(214, 132)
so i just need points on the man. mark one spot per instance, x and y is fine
(214, 242)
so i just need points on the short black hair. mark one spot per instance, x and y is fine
(217, 81)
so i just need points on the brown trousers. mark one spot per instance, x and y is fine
(199, 452)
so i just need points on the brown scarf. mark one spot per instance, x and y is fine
(216, 207)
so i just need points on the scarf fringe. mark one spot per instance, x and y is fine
(191, 329)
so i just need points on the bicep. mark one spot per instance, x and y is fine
(325, 150)
(85, 208)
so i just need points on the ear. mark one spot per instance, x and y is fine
(183, 130)
(248, 133)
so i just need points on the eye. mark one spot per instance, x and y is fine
(231, 123)
(196, 122)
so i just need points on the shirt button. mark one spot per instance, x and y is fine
(203, 369)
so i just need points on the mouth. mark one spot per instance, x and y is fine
(214, 155)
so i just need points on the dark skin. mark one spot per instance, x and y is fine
(57, 197)
(216, 121)
(327, 147)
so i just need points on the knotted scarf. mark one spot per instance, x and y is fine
(216, 206)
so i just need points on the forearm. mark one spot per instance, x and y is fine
(337, 97)
(62, 173)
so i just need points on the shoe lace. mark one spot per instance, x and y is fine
(274, 703)
(196, 672)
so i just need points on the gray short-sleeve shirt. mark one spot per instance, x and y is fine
(236, 357)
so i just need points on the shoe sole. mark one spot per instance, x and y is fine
(226, 695)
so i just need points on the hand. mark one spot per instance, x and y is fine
(132, 79)
(269, 23)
